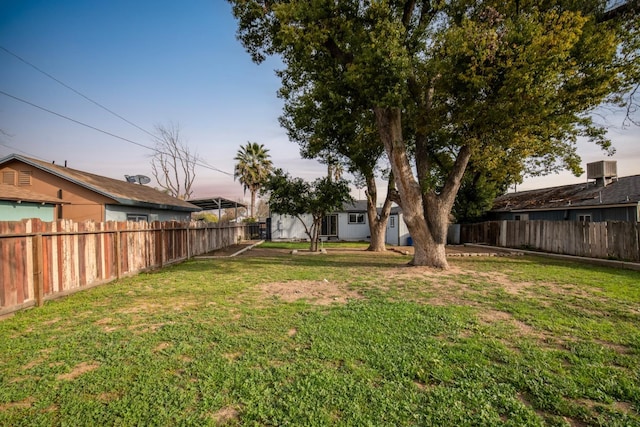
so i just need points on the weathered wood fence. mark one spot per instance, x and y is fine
(43, 260)
(607, 240)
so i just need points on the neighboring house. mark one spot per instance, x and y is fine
(348, 224)
(83, 196)
(18, 203)
(607, 198)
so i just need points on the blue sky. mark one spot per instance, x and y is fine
(154, 63)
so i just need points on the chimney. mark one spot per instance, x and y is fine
(603, 172)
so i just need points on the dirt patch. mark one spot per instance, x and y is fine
(225, 415)
(140, 308)
(26, 403)
(161, 346)
(78, 370)
(257, 251)
(232, 356)
(231, 250)
(320, 292)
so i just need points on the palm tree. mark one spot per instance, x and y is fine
(252, 168)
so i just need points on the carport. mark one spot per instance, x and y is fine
(217, 203)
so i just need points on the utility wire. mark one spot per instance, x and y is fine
(155, 137)
(75, 91)
(105, 132)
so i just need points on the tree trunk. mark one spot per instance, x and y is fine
(377, 222)
(315, 234)
(253, 203)
(425, 212)
(378, 234)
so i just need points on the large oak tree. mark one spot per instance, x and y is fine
(449, 82)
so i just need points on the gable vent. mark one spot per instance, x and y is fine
(9, 177)
(24, 178)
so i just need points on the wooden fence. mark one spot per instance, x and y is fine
(43, 260)
(607, 240)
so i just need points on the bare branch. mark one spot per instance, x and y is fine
(173, 164)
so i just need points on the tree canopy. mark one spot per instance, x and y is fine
(503, 84)
(298, 198)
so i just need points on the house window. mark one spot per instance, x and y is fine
(356, 218)
(24, 178)
(392, 222)
(521, 217)
(9, 177)
(584, 218)
(137, 217)
(329, 226)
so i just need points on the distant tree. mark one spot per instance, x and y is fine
(262, 209)
(252, 168)
(296, 197)
(232, 214)
(173, 164)
(206, 217)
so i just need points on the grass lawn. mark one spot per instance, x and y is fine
(347, 338)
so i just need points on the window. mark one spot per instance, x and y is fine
(392, 222)
(521, 217)
(584, 218)
(329, 226)
(24, 178)
(9, 177)
(356, 218)
(137, 217)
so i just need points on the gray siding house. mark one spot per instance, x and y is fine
(606, 198)
(348, 224)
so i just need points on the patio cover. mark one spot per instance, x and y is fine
(213, 203)
(219, 203)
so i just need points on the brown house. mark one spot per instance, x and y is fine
(84, 196)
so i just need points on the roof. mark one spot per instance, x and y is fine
(355, 206)
(122, 192)
(215, 203)
(21, 194)
(361, 206)
(624, 191)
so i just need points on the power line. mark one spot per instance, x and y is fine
(75, 91)
(104, 131)
(155, 137)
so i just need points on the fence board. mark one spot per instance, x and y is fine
(40, 260)
(613, 239)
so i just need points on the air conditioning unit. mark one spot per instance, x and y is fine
(602, 171)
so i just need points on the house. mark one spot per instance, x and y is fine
(606, 198)
(82, 196)
(17, 203)
(348, 224)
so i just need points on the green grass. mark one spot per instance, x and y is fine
(519, 341)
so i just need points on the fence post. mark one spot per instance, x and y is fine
(38, 265)
(188, 232)
(118, 253)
